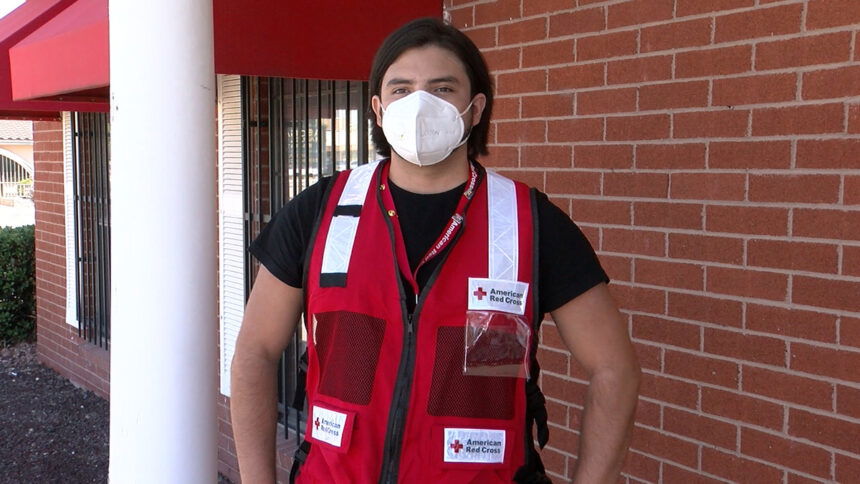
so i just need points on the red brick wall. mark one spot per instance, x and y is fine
(710, 150)
(59, 346)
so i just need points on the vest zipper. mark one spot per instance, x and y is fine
(403, 384)
(397, 418)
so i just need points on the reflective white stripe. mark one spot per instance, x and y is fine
(355, 190)
(504, 233)
(341, 233)
(338, 244)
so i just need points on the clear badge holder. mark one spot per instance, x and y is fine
(496, 344)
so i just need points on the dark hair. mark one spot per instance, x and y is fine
(432, 31)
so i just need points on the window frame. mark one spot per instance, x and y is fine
(90, 169)
(291, 138)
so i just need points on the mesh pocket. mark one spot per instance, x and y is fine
(347, 347)
(453, 394)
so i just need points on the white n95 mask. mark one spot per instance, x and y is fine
(422, 128)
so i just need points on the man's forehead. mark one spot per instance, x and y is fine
(426, 64)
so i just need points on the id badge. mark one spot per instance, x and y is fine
(497, 335)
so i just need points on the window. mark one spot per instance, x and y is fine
(15, 180)
(90, 172)
(294, 132)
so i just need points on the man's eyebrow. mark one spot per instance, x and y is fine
(447, 79)
(397, 81)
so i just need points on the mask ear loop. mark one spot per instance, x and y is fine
(469, 131)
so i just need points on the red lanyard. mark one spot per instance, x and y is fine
(444, 238)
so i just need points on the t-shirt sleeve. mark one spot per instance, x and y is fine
(282, 244)
(568, 265)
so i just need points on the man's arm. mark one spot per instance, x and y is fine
(596, 335)
(271, 315)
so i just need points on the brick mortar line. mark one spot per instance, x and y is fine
(742, 75)
(679, 171)
(558, 449)
(751, 108)
(738, 453)
(563, 403)
(716, 14)
(665, 460)
(659, 141)
(804, 14)
(46, 301)
(567, 378)
(752, 426)
(702, 413)
(43, 223)
(771, 302)
(705, 233)
(554, 350)
(735, 330)
(674, 171)
(799, 70)
(780, 467)
(731, 235)
(762, 366)
(53, 336)
(55, 288)
(669, 171)
(54, 319)
(724, 265)
(853, 50)
(753, 42)
(716, 203)
(44, 267)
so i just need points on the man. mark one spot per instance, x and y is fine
(423, 280)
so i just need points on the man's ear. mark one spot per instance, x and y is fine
(479, 102)
(376, 105)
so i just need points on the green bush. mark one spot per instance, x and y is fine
(17, 284)
(25, 188)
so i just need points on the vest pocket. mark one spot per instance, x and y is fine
(347, 346)
(453, 394)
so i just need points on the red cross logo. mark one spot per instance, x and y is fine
(317, 422)
(480, 293)
(457, 446)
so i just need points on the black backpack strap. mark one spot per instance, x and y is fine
(301, 382)
(536, 411)
(298, 459)
(533, 471)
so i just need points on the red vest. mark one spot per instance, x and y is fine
(387, 397)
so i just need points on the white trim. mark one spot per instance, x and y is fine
(69, 209)
(26, 164)
(231, 237)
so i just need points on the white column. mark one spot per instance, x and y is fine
(163, 425)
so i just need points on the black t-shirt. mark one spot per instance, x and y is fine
(567, 264)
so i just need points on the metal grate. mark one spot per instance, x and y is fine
(90, 169)
(295, 131)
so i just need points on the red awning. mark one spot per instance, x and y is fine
(66, 58)
(321, 39)
(18, 24)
